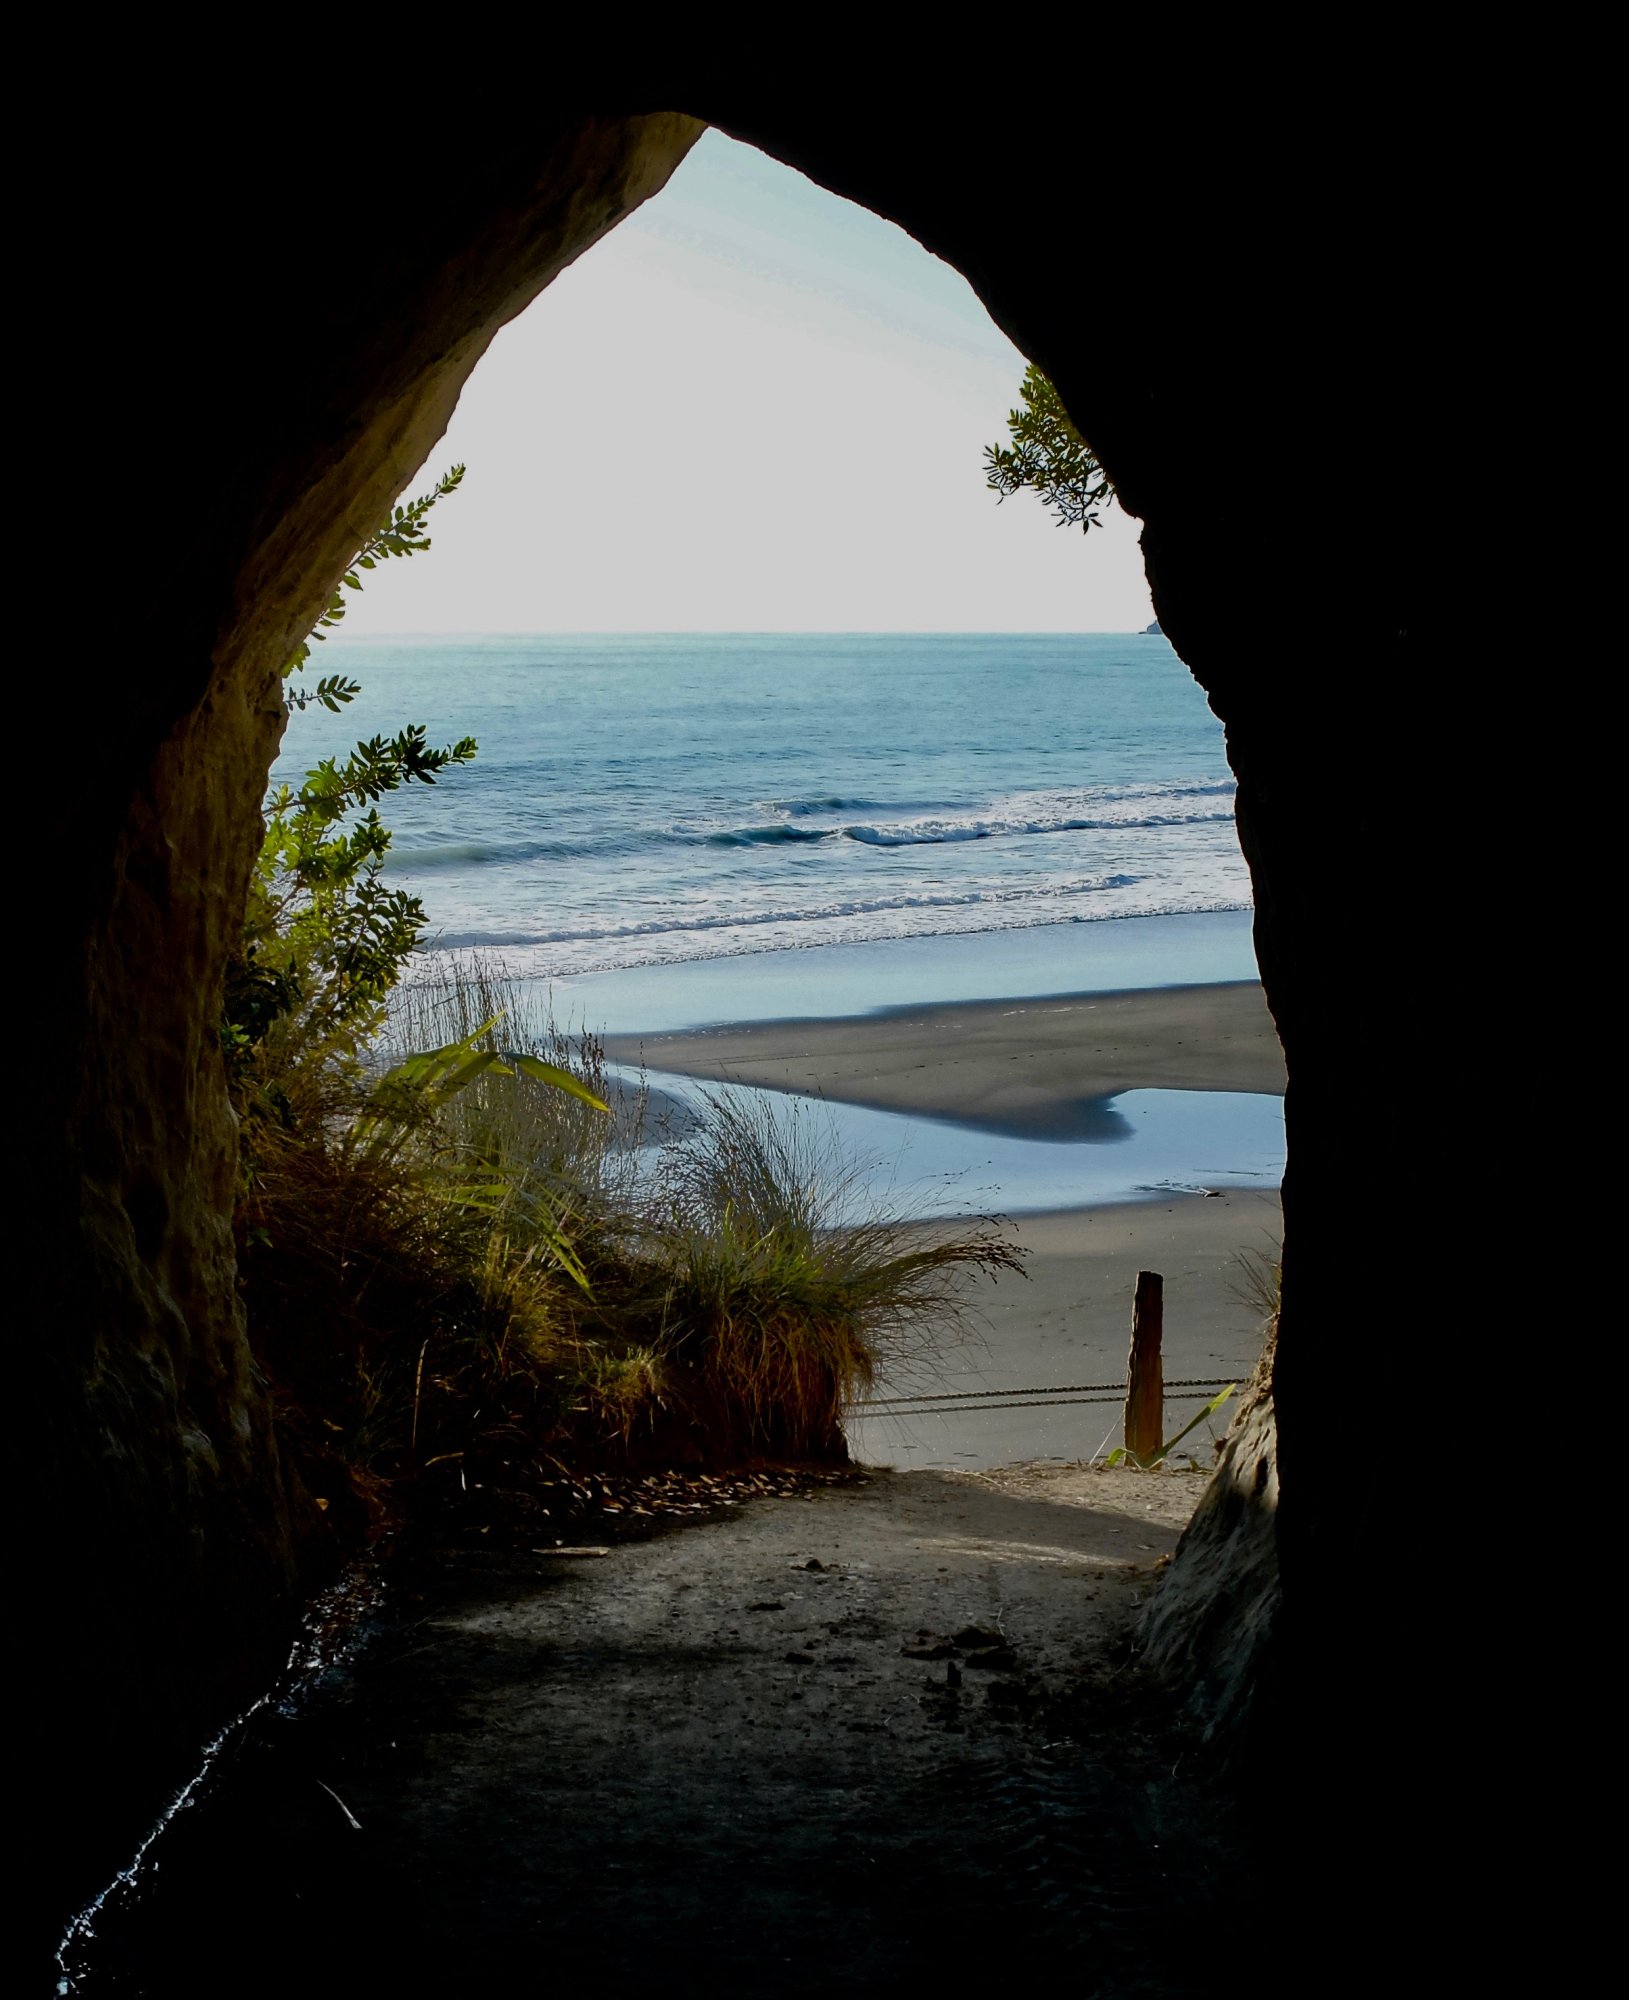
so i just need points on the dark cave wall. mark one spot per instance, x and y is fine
(1204, 344)
(176, 1556)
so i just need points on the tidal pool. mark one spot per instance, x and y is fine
(1144, 1144)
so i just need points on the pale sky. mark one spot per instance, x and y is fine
(752, 407)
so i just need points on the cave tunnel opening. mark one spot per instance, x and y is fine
(164, 1466)
(670, 439)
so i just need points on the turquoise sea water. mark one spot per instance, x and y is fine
(678, 831)
(675, 800)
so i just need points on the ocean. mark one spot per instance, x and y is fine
(678, 831)
(675, 800)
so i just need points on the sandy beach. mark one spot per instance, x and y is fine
(1034, 1069)
(1068, 1324)
(1041, 1070)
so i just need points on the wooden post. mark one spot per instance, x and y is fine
(1145, 1379)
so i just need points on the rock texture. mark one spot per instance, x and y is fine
(301, 316)
(1212, 1628)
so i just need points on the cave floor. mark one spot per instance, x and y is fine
(871, 1735)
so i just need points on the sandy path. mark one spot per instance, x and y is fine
(748, 1758)
(702, 1765)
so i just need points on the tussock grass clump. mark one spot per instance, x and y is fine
(464, 1279)
(778, 1308)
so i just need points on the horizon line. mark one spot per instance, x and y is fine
(759, 632)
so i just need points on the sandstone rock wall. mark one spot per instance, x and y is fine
(1212, 1628)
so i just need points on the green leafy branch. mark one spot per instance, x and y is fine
(318, 900)
(1050, 458)
(333, 691)
(401, 535)
(325, 939)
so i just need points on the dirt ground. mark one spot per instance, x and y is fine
(878, 1734)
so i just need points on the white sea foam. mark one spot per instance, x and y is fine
(654, 801)
(798, 930)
